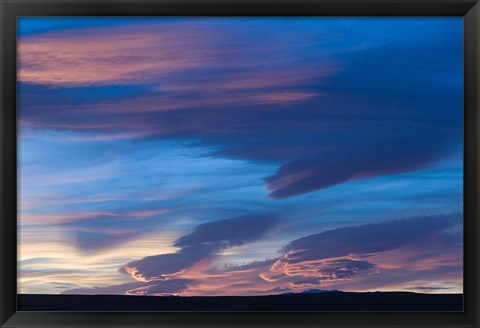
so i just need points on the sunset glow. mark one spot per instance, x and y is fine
(239, 156)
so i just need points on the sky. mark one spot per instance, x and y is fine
(239, 156)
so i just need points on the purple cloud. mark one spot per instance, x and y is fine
(349, 163)
(205, 241)
(227, 233)
(346, 252)
(371, 238)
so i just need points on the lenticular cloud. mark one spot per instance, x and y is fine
(205, 241)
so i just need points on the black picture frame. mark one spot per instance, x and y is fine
(10, 10)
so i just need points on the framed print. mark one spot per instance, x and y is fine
(309, 163)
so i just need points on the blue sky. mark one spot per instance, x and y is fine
(187, 155)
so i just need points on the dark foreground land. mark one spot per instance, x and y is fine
(333, 301)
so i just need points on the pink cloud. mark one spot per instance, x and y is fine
(120, 55)
(153, 54)
(392, 255)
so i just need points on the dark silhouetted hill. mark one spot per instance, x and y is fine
(323, 301)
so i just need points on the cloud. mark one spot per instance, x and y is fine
(293, 96)
(162, 288)
(204, 242)
(343, 268)
(370, 238)
(344, 253)
(97, 231)
(317, 271)
(100, 56)
(157, 288)
(165, 265)
(391, 255)
(423, 288)
(304, 283)
(246, 266)
(189, 267)
(154, 53)
(227, 233)
(349, 163)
